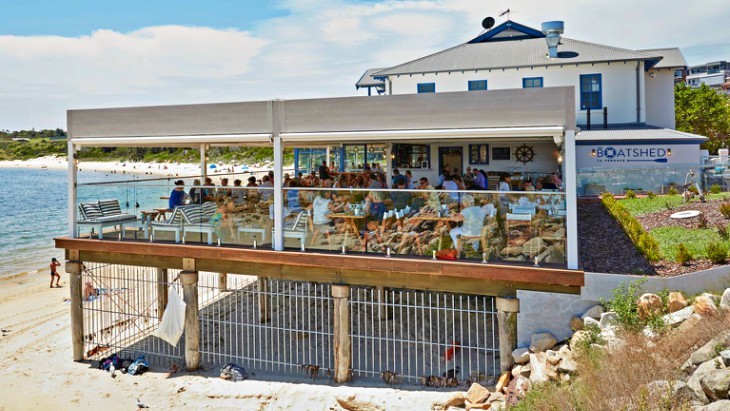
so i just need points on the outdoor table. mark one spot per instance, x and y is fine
(350, 221)
(147, 217)
(162, 216)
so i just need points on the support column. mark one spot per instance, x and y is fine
(73, 269)
(72, 189)
(507, 309)
(342, 343)
(571, 187)
(278, 238)
(161, 291)
(189, 281)
(389, 165)
(264, 299)
(222, 281)
(203, 163)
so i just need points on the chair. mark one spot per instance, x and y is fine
(516, 220)
(297, 230)
(173, 224)
(197, 219)
(104, 213)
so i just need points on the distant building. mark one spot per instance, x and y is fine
(716, 75)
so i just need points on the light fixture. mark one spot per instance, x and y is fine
(392, 156)
(669, 152)
(593, 152)
(371, 149)
(560, 159)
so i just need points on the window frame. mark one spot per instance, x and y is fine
(471, 85)
(480, 160)
(423, 88)
(396, 149)
(599, 100)
(525, 80)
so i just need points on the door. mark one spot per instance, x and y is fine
(453, 157)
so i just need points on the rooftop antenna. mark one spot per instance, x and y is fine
(503, 13)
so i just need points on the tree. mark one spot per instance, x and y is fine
(705, 112)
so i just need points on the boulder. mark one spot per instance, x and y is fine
(676, 301)
(540, 342)
(723, 405)
(589, 322)
(496, 396)
(580, 339)
(533, 247)
(526, 370)
(716, 384)
(703, 369)
(538, 364)
(456, 400)
(518, 388)
(649, 305)
(593, 312)
(681, 392)
(705, 304)
(725, 356)
(576, 324)
(521, 356)
(568, 365)
(477, 394)
(725, 300)
(552, 357)
(511, 251)
(516, 370)
(352, 403)
(607, 319)
(677, 317)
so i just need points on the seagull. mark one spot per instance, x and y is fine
(140, 405)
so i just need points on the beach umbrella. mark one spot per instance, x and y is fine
(212, 166)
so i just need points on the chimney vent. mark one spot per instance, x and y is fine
(552, 30)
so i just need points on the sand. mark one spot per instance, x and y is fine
(37, 371)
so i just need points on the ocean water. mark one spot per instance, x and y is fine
(34, 210)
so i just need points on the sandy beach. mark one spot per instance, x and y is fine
(38, 371)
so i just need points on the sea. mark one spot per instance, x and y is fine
(35, 209)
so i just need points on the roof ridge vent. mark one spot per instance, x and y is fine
(553, 30)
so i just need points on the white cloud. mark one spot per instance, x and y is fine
(319, 49)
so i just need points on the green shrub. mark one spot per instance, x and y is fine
(692, 189)
(672, 191)
(651, 195)
(716, 252)
(702, 221)
(669, 206)
(715, 189)
(683, 255)
(624, 304)
(725, 209)
(630, 195)
(643, 241)
(723, 231)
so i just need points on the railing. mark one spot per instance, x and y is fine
(467, 225)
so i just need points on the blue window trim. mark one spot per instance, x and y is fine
(476, 85)
(532, 80)
(599, 101)
(426, 88)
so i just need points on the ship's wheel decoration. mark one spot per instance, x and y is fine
(524, 154)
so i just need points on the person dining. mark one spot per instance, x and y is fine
(177, 196)
(195, 193)
(472, 219)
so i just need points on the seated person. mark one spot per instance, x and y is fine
(472, 218)
(195, 193)
(178, 195)
(400, 198)
(220, 219)
(292, 198)
(321, 207)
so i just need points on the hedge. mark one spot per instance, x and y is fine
(644, 241)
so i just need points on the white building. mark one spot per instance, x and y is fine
(715, 75)
(624, 97)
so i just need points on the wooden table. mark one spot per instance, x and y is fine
(162, 216)
(148, 216)
(350, 221)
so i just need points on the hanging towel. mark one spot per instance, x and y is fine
(173, 320)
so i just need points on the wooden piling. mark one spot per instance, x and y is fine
(222, 281)
(73, 269)
(189, 281)
(161, 291)
(342, 344)
(507, 309)
(264, 299)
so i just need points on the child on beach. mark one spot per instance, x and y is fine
(54, 273)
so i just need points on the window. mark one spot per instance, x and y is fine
(475, 85)
(478, 153)
(590, 91)
(426, 87)
(532, 82)
(501, 153)
(412, 155)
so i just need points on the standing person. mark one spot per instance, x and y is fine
(409, 180)
(469, 179)
(505, 183)
(324, 172)
(54, 273)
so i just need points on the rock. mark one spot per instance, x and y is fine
(576, 324)
(538, 365)
(511, 251)
(533, 247)
(677, 317)
(676, 301)
(521, 355)
(580, 340)
(681, 392)
(725, 300)
(351, 403)
(456, 400)
(607, 319)
(502, 382)
(517, 389)
(723, 405)
(705, 304)
(568, 365)
(477, 394)
(589, 322)
(649, 305)
(516, 370)
(593, 312)
(702, 370)
(526, 370)
(480, 406)
(552, 357)
(496, 396)
(705, 353)
(716, 384)
(541, 342)
(725, 356)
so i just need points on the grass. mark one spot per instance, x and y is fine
(695, 239)
(646, 205)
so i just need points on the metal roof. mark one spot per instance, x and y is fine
(512, 54)
(367, 81)
(672, 57)
(645, 133)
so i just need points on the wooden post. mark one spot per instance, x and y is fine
(222, 282)
(161, 291)
(73, 269)
(189, 281)
(341, 333)
(382, 299)
(264, 299)
(507, 309)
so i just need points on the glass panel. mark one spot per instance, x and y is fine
(411, 155)
(355, 158)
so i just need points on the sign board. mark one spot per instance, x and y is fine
(613, 155)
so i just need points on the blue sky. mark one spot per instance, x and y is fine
(69, 54)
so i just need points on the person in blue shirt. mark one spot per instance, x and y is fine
(177, 196)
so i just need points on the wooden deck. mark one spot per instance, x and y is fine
(354, 269)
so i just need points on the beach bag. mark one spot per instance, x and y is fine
(233, 372)
(173, 320)
(139, 366)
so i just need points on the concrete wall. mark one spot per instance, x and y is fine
(618, 82)
(660, 98)
(547, 312)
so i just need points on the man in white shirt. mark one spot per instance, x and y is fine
(472, 218)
